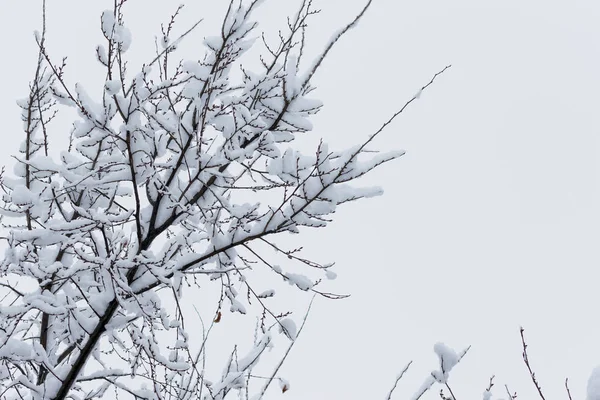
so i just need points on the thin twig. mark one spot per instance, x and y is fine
(176, 42)
(341, 33)
(389, 396)
(526, 360)
(511, 396)
(450, 390)
(567, 387)
(266, 386)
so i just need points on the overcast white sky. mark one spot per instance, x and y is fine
(490, 221)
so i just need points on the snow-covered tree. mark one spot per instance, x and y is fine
(177, 178)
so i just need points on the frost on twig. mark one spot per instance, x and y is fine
(398, 378)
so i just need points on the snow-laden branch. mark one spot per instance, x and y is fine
(175, 173)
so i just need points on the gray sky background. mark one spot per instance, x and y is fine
(490, 221)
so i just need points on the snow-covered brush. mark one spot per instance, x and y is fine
(448, 359)
(157, 188)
